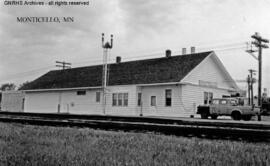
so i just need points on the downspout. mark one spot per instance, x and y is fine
(181, 96)
(141, 111)
(23, 100)
(59, 102)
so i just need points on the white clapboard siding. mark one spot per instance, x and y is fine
(47, 102)
(209, 71)
(185, 99)
(186, 95)
(161, 109)
(122, 110)
(41, 102)
(81, 104)
(194, 96)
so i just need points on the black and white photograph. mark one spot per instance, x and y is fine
(134, 82)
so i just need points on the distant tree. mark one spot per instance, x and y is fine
(23, 85)
(8, 86)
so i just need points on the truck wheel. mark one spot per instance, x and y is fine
(236, 115)
(204, 115)
(214, 116)
(246, 117)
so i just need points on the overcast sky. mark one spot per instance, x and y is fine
(142, 29)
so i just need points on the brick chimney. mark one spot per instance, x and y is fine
(168, 53)
(118, 59)
(192, 50)
(184, 51)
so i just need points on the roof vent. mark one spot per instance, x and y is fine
(118, 59)
(192, 50)
(168, 53)
(184, 51)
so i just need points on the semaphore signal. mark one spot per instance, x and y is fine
(106, 47)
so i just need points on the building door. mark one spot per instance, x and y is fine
(23, 101)
(153, 104)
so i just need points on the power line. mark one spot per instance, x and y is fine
(148, 55)
(212, 43)
(157, 51)
(152, 55)
(203, 47)
(154, 51)
(26, 72)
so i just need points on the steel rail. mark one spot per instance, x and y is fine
(248, 133)
(159, 120)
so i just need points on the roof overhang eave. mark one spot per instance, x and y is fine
(221, 88)
(61, 89)
(156, 84)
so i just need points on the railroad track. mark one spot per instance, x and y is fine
(252, 132)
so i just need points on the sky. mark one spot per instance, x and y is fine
(141, 29)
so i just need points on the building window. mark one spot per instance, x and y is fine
(216, 102)
(153, 101)
(125, 99)
(120, 99)
(208, 97)
(224, 102)
(97, 97)
(168, 97)
(81, 92)
(114, 98)
(139, 99)
(205, 100)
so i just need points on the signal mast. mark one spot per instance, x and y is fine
(106, 47)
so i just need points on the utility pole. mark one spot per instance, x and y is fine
(248, 81)
(64, 65)
(259, 43)
(251, 81)
(106, 46)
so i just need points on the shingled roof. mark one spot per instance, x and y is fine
(149, 71)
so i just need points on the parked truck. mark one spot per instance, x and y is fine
(227, 107)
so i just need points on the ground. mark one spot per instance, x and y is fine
(42, 145)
